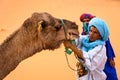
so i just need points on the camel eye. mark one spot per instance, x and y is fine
(58, 27)
(70, 33)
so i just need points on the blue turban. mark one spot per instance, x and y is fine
(101, 27)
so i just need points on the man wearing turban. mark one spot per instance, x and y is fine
(109, 68)
(92, 47)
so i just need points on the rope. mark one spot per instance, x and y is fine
(79, 60)
(65, 48)
(64, 28)
(69, 63)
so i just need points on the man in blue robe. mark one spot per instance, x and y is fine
(110, 64)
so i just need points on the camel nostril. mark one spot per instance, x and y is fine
(73, 34)
(70, 33)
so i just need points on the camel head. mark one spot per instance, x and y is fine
(49, 30)
(39, 32)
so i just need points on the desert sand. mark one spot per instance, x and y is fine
(52, 65)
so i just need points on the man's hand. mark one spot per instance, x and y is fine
(77, 51)
(112, 62)
(67, 44)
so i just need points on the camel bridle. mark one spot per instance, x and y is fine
(66, 49)
(79, 61)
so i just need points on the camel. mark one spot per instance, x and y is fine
(39, 32)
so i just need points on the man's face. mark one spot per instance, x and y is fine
(94, 34)
(86, 20)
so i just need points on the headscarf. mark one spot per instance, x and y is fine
(87, 45)
(85, 29)
(103, 30)
(101, 27)
(86, 15)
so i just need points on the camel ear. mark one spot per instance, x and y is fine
(41, 25)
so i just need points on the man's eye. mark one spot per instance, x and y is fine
(90, 30)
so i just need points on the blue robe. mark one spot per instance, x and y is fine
(110, 71)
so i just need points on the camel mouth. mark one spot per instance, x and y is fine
(72, 35)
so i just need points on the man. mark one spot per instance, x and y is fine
(110, 64)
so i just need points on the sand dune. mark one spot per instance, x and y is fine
(51, 65)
